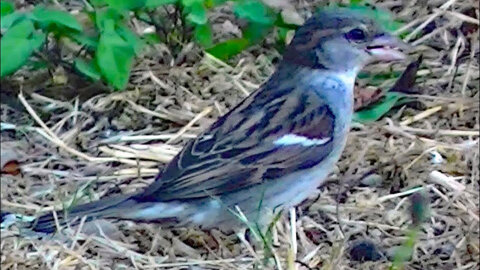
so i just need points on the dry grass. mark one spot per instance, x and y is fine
(115, 142)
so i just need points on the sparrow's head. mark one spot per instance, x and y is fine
(342, 40)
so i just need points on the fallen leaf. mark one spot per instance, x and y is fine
(378, 109)
(366, 96)
(9, 158)
(406, 82)
(468, 28)
(12, 167)
(371, 104)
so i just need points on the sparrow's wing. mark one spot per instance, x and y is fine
(270, 134)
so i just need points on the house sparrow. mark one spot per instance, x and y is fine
(274, 149)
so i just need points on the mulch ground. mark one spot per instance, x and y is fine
(85, 148)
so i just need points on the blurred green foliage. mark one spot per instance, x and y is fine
(381, 107)
(108, 46)
(419, 211)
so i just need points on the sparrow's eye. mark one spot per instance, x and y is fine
(356, 34)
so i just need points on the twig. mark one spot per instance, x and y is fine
(467, 75)
(293, 234)
(421, 115)
(442, 132)
(400, 194)
(446, 181)
(430, 19)
(54, 138)
(184, 129)
(459, 15)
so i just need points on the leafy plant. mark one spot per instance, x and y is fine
(375, 111)
(18, 44)
(260, 234)
(108, 46)
(419, 213)
(395, 96)
(109, 49)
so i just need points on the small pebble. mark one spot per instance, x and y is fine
(445, 251)
(372, 180)
(436, 157)
(364, 250)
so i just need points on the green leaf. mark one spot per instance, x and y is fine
(114, 56)
(203, 34)
(151, 38)
(379, 78)
(282, 34)
(9, 20)
(135, 43)
(281, 41)
(37, 39)
(97, 3)
(88, 69)
(256, 32)
(188, 3)
(107, 15)
(57, 18)
(6, 8)
(229, 48)
(158, 3)
(403, 254)
(377, 110)
(197, 14)
(19, 41)
(88, 41)
(126, 4)
(253, 11)
(214, 3)
(22, 29)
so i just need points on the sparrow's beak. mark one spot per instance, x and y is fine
(388, 48)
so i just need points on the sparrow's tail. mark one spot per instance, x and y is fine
(104, 208)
